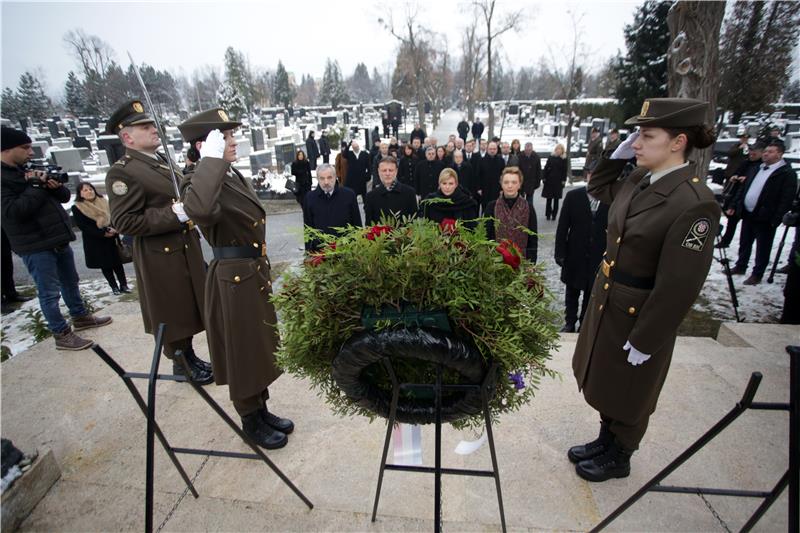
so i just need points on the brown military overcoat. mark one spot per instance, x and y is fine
(665, 232)
(240, 319)
(167, 257)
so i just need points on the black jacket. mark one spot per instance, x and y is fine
(555, 174)
(312, 151)
(407, 171)
(401, 200)
(466, 177)
(775, 198)
(417, 133)
(531, 168)
(477, 129)
(463, 129)
(427, 176)
(580, 238)
(730, 193)
(99, 251)
(325, 213)
(33, 217)
(357, 171)
(463, 207)
(324, 147)
(490, 169)
(301, 170)
(531, 250)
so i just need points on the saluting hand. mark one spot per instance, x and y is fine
(625, 150)
(214, 145)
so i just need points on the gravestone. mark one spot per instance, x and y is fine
(52, 127)
(40, 149)
(23, 123)
(284, 153)
(177, 144)
(260, 159)
(82, 142)
(85, 153)
(328, 121)
(257, 139)
(69, 159)
(102, 158)
(62, 142)
(272, 131)
(792, 126)
(513, 109)
(723, 146)
(84, 131)
(112, 146)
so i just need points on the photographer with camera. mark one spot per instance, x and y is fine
(39, 231)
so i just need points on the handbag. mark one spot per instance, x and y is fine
(124, 250)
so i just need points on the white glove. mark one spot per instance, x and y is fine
(177, 208)
(635, 357)
(625, 150)
(214, 146)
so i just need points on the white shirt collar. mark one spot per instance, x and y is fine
(655, 176)
(773, 166)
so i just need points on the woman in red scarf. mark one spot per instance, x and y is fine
(513, 212)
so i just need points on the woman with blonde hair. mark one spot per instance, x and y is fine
(555, 177)
(461, 205)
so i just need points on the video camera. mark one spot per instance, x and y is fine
(792, 217)
(51, 172)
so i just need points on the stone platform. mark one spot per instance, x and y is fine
(74, 404)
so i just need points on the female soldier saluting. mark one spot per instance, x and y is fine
(240, 320)
(661, 225)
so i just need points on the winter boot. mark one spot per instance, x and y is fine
(592, 449)
(284, 425)
(198, 375)
(90, 321)
(614, 463)
(67, 340)
(262, 434)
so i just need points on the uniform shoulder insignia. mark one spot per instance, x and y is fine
(695, 239)
(120, 188)
(121, 162)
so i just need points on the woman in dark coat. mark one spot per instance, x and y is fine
(463, 207)
(92, 215)
(301, 170)
(512, 211)
(407, 167)
(312, 150)
(554, 178)
(324, 148)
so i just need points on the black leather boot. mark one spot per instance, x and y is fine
(198, 375)
(193, 360)
(284, 425)
(261, 433)
(614, 463)
(592, 449)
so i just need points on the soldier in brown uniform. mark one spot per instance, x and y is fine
(170, 271)
(240, 319)
(661, 225)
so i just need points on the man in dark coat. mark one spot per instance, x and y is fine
(358, 173)
(489, 170)
(324, 148)
(312, 151)
(730, 193)
(762, 201)
(167, 258)
(427, 174)
(477, 129)
(463, 129)
(329, 205)
(612, 142)
(580, 243)
(593, 152)
(39, 231)
(466, 175)
(390, 197)
(417, 133)
(531, 166)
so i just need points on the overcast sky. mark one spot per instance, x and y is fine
(181, 36)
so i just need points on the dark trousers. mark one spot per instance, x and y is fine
(325, 158)
(245, 406)
(730, 229)
(551, 207)
(791, 293)
(762, 233)
(181, 344)
(571, 295)
(119, 270)
(7, 270)
(629, 435)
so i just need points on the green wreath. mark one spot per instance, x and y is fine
(490, 294)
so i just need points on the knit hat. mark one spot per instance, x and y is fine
(11, 138)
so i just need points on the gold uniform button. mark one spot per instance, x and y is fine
(261, 288)
(166, 248)
(631, 310)
(695, 179)
(619, 240)
(600, 308)
(269, 284)
(263, 220)
(256, 245)
(612, 263)
(184, 232)
(237, 279)
(255, 223)
(605, 286)
(186, 246)
(258, 268)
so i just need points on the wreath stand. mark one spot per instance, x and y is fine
(153, 430)
(437, 470)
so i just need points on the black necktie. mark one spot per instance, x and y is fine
(766, 167)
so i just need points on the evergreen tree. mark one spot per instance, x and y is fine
(237, 75)
(33, 102)
(756, 54)
(333, 91)
(231, 100)
(642, 73)
(9, 106)
(379, 90)
(360, 84)
(74, 100)
(283, 92)
(792, 92)
(307, 93)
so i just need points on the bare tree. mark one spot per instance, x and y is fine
(410, 37)
(569, 77)
(473, 59)
(93, 53)
(495, 27)
(439, 84)
(693, 58)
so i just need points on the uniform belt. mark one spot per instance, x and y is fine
(618, 276)
(239, 252)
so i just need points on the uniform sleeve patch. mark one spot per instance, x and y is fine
(120, 188)
(698, 234)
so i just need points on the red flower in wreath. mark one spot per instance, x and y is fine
(448, 225)
(512, 256)
(317, 258)
(375, 231)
